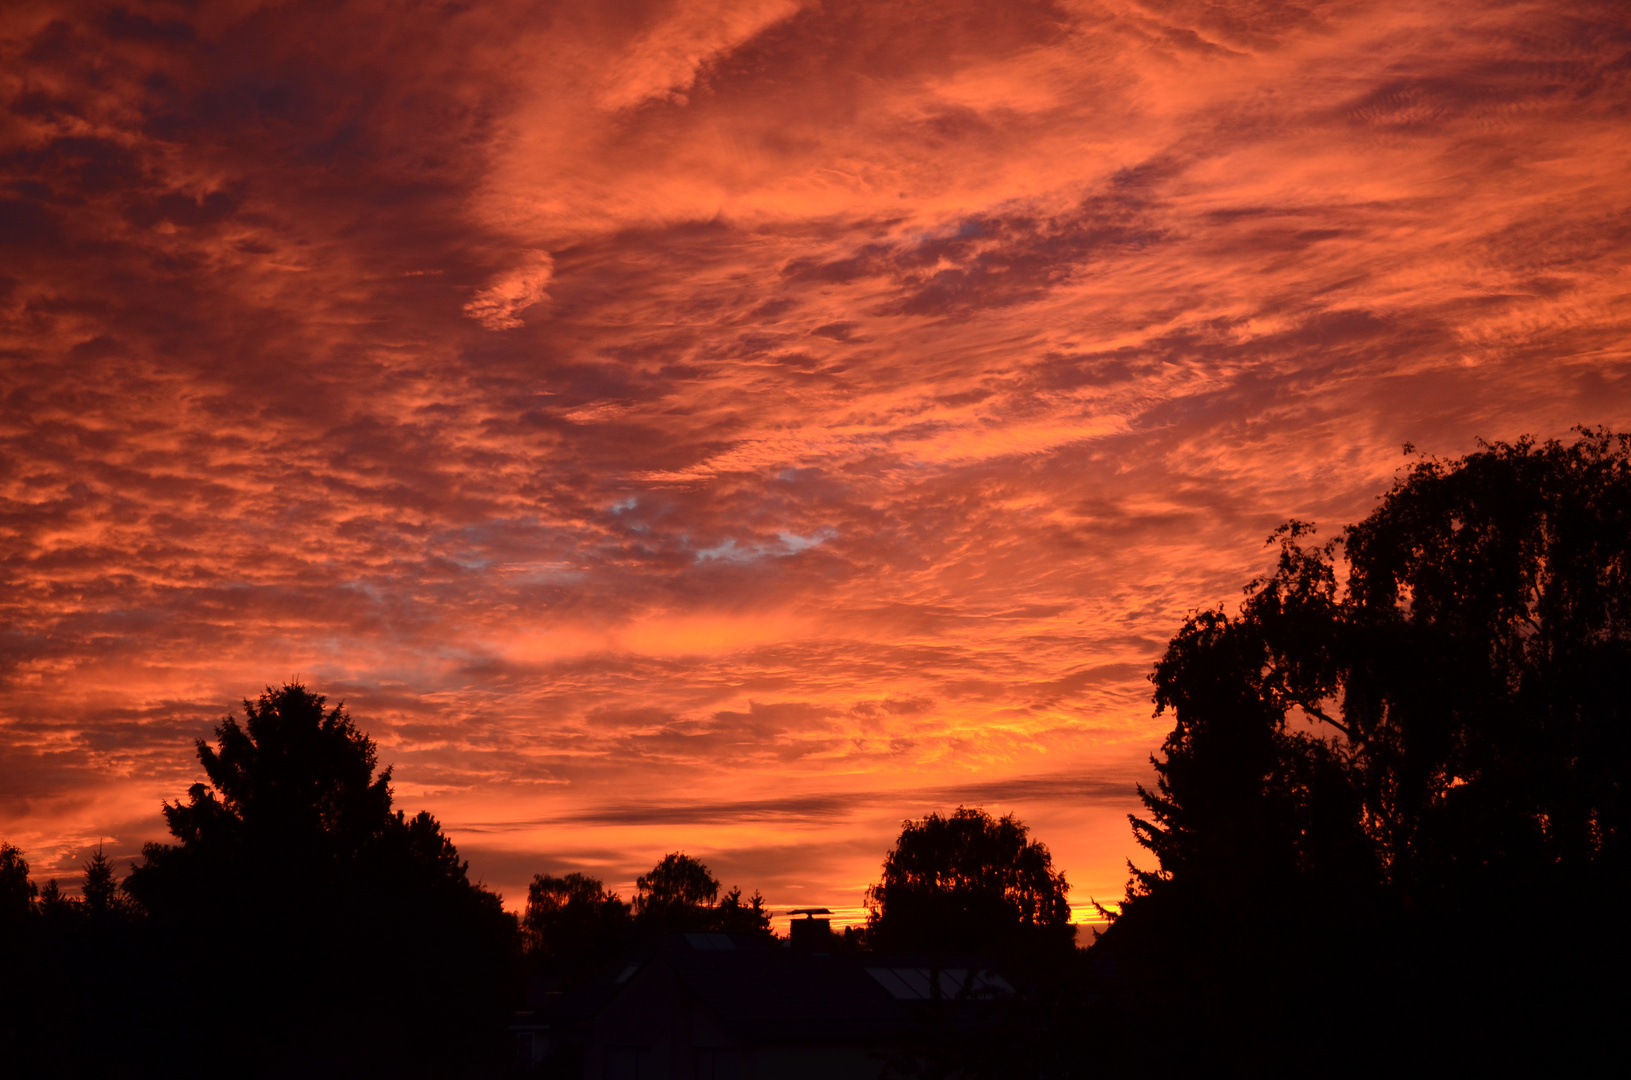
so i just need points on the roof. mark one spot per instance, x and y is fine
(766, 993)
(917, 982)
(762, 993)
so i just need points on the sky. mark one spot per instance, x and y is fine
(737, 427)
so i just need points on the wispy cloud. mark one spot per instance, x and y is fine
(499, 305)
(716, 424)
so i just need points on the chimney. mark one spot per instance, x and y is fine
(810, 934)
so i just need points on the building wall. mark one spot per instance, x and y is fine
(815, 1063)
(633, 1037)
(656, 1030)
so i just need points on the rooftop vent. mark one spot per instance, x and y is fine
(810, 934)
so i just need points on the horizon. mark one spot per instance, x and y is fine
(735, 428)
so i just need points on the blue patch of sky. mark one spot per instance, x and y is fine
(787, 543)
(503, 546)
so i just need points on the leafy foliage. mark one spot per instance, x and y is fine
(17, 892)
(676, 883)
(967, 881)
(573, 925)
(1402, 738)
(65, 973)
(295, 781)
(736, 915)
(1466, 688)
(295, 883)
(680, 893)
(100, 891)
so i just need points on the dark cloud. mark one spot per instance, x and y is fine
(817, 808)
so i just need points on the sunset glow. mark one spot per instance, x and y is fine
(735, 427)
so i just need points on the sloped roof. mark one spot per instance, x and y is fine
(764, 993)
(927, 982)
(769, 994)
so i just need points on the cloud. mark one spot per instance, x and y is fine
(665, 58)
(743, 425)
(499, 306)
(817, 807)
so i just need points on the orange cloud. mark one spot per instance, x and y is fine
(499, 306)
(740, 426)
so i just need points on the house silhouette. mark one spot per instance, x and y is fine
(713, 1006)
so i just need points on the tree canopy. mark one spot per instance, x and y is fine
(967, 881)
(294, 775)
(677, 882)
(1450, 717)
(17, 892)
(317, 906)
(100, 892)
(573, 925)
(681, 893)
(1404, 738)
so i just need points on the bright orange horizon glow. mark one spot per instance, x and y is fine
(737, 427)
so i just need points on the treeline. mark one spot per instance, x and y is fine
(574, 928)
(1391, 828)
(90, 985)
(298, 925)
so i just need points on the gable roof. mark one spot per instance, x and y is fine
(768, 994)
(762, 993)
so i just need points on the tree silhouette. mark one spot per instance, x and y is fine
(21, 1047)
(680, 893)
(677, 894)
(968, 882)
(68, 969)
(1467, 687)
(52, 900)
(573, 925)
(100, 891)
(295, 782)
(677, 881)
(318, 909)
(17, 892)
(734, 915)
(1403, 737)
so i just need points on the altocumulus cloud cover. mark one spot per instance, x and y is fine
(742, 425)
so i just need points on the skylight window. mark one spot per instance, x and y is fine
(917, 983)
